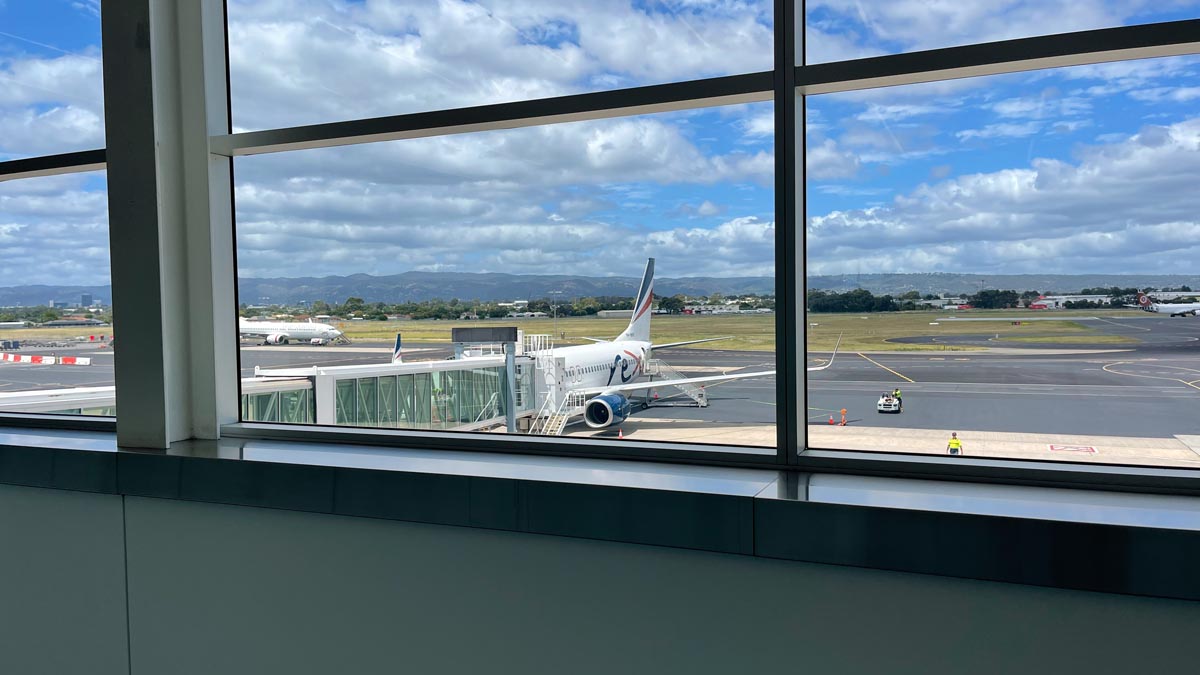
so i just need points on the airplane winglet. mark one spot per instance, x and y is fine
(831, 356)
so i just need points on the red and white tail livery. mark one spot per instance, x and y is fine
(1173, 309)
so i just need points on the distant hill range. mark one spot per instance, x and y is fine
(420, 286)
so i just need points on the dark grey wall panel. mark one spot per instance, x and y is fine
(62, 583)
(1022, 550)
(225, 589)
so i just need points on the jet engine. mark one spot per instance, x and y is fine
(606, 410)
(277, 339)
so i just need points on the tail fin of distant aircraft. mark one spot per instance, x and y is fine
(396, 357)
(639, 325)
(1144, 302)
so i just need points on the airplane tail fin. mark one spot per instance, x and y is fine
(639, 324)
(1145, 302)
(396, 357)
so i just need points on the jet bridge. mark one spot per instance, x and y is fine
(458, 394)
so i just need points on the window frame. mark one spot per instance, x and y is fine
(185, 94)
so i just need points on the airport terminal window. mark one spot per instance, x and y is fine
(56, 309)
(343, 60)
(51, 85)
(837, 30)
(600, 244)
(980, 244)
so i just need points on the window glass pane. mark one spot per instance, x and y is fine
(851, 29)
(56, 325)
(303, 63)
(51, 82)
(342, 249)
(980, 244)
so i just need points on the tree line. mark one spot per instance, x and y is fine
(454, 308)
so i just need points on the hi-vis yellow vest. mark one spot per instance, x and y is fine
(955, 444)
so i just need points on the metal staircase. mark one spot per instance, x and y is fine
(552, 421)
(658, 367)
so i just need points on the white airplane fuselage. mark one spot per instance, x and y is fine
(278, 332)
(601, 365)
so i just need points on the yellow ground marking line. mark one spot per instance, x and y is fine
(1152, 377)
(886, 368)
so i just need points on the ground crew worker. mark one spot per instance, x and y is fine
(954, 447)
(896, 394)
(843, 417)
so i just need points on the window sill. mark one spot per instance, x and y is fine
(1141, 544)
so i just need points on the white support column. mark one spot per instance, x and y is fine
(169, 214)
(208, 204)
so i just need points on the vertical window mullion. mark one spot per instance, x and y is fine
(789, 252)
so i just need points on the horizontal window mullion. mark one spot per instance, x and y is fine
(1172, 38)
(1031, 472)
(745, 456)
(11, 422)
(53, 165)
(754, 87)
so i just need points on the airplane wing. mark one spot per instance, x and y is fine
(690, 342)
(831, 356)
(640, 386)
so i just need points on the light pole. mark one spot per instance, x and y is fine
(554, 308)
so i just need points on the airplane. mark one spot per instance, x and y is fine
(1177, 309)
(281, 332)
(605, 372)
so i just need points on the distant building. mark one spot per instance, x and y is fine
(1060, 301)
(85, 300)
(615, 313)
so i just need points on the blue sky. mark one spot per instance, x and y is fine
(1054, 171)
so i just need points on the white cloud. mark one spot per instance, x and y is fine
(857, 28)
(50, 105)
(825, 160)
(1001, 130)
(53, 231)
(313, 61)
(1116, 210)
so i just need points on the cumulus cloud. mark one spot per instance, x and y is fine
(577, 193)
(859, 28)
(1114, 210)
(300, 62)
(54, 231)
(50, 105)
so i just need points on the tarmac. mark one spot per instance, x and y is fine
(1130, 404)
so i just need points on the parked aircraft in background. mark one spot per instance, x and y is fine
(1175, 309)
(283, 332)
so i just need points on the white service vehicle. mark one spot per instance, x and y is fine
(888, 403)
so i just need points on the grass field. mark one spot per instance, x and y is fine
(750, 331)
(873, 332)
(861, 332)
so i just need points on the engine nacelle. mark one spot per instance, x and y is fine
(606, 410)
(277, 339)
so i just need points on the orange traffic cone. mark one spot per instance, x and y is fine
(831, 419)
(620, 433)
